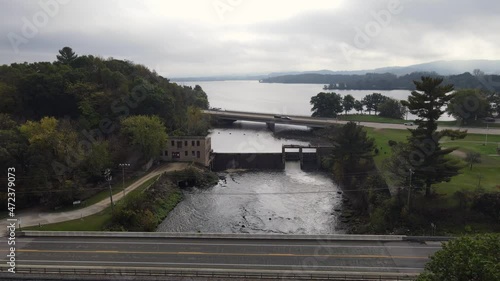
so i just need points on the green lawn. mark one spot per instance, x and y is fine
(371, 118)
(471, 124)
(488, 170)
(116, 188)
(95, 222)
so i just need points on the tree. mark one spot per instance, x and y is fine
(358, 106)
(472, 158)
(468, 105)
(66, 55)
(468, 258)
(348, 103)
(392, 108)
(147, 132)
(378, 99)
(326, 105)
(351, 144)
(369, 103)
(426, 158)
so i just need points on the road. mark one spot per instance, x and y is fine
(323, 122)
(238, 255)
(34, 217)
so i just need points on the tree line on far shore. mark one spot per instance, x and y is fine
(467, 105)
(330, 105)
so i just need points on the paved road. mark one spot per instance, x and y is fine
(322, 122)
(234, 254)
(34, 217)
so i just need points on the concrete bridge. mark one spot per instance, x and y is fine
(271, 119)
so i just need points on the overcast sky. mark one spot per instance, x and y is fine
(212, 37)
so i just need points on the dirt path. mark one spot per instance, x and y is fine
(35, 217)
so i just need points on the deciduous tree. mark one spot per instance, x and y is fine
(468, 258)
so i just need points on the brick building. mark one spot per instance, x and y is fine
(188, 149)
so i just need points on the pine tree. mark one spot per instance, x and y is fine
(429, 162)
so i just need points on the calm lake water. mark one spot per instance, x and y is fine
(286, 99)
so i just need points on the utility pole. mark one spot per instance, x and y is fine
(409, 191)
(108, 177)
(123, 165)
(487, 129)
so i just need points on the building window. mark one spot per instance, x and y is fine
(166, 152)
(192, 143)
(176, 155)
(197, 154)
(179, 144)
(185, 153)
(192, 153)
(185, 143)
(173, 143)
(197, 143)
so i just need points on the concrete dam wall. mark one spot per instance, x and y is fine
(257, 161)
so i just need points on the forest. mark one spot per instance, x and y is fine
(63, 122)
(389, 81)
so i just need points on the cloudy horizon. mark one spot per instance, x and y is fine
(236, 37)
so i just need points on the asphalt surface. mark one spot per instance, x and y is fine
(323, 122)
(233, 254)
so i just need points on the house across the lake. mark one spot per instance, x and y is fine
(196, 149)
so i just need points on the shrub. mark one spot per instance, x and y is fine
(468, 258)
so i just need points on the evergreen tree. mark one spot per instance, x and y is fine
(428, 161)
(66, 55)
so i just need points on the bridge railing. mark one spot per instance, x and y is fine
(144, 273)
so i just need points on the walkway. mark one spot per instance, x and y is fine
(34, 217)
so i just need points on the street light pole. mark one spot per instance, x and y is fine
(123, 165)
(409, 192)
(108, 177)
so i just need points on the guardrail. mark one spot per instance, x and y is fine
(180, 235)
(154, 273)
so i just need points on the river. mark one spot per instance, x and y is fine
(289, 201)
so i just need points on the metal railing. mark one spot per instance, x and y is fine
(104, 273)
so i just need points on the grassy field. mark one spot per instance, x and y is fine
(487, 172)
(371, 118)
(116, 188)
(95, 222)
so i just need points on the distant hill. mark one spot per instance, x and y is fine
(386, 81)
(446, 68)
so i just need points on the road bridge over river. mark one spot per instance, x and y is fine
(147, 256)
(315, 122)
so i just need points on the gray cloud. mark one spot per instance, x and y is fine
(178, 41)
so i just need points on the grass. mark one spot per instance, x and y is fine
(96, 222)
(471, 124)
(371, 118)
(116, 188)
(487, 171)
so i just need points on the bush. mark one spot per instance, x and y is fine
(488, 204)
(468, 258)
(392, 143)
